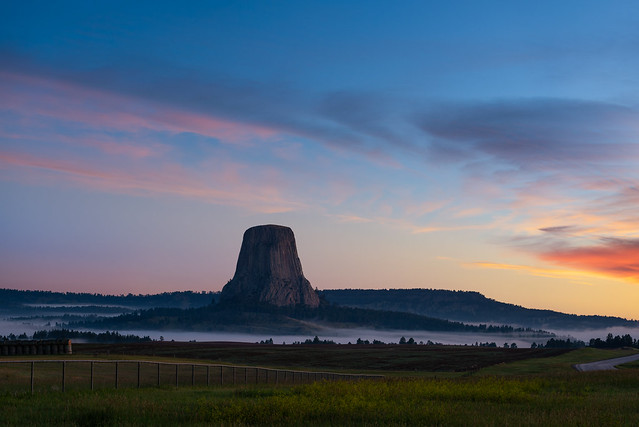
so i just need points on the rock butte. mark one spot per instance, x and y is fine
(269, 270)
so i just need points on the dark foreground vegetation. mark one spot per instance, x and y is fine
(517, 387)
(369, 358)
(596, 399)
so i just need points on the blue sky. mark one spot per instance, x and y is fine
(487, 146)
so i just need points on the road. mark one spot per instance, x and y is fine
(606, 365)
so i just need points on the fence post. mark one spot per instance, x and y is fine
(116, 375)
(245, 375)
(277, 374)
(192, 375)
(158, 374)
(64, 364)
(92, 375)
(207, 374)
(221, 375)
(32, 369)
(176, 375)
(257, 375)
(138, 374)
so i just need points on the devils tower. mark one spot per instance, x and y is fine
(269, 270)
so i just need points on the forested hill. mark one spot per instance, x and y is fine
(16, 299)
(465, 306)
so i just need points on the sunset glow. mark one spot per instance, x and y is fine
(454, 145)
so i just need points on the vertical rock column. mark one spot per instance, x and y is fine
(269, 270)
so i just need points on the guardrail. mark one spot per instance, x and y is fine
(142, 373)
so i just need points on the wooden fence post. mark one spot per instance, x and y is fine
(207, 374)
(64, 364)
(158, 374)
(176, 375)
(32, 369)
(138, 374)
(116, 375)
(92, 375)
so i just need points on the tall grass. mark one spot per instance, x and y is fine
(609, 398)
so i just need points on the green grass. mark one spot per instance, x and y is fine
(81, 375)
(535, 391)
(608, 398)
(631, 365)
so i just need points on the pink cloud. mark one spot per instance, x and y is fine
(31, 96)
(618, 258)
(102, 143)
(167, 179)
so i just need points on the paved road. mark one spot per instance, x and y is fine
(606, 365)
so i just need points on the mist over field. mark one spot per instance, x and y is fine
(344, 336)
(586, 334)
(28, 312)
(17, 325)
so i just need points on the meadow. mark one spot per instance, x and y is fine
(525, 391)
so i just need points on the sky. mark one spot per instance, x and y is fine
(488, 146)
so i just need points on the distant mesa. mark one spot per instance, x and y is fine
(269, 271)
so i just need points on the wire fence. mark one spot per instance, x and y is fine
(63, 375)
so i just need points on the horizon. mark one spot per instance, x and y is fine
(461, 146)
(315, 289)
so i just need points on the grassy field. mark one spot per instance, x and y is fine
(411, 359)
(532, 391)
(609, 398)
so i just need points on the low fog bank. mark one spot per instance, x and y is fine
(345, 336)
(17, 327)
(340, 336)
(586, 334)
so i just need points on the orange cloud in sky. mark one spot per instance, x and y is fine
(572, 275)
(617, 258)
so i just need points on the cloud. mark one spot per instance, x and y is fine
(539, 162)
(560, 229)
(57, 132)
(69, 102)
(534, 134)
(167, 179)
(613, 257)
(374, 118)
(356, 122)
(569, 274)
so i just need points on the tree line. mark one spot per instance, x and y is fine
(102, 337)
(614, 342)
